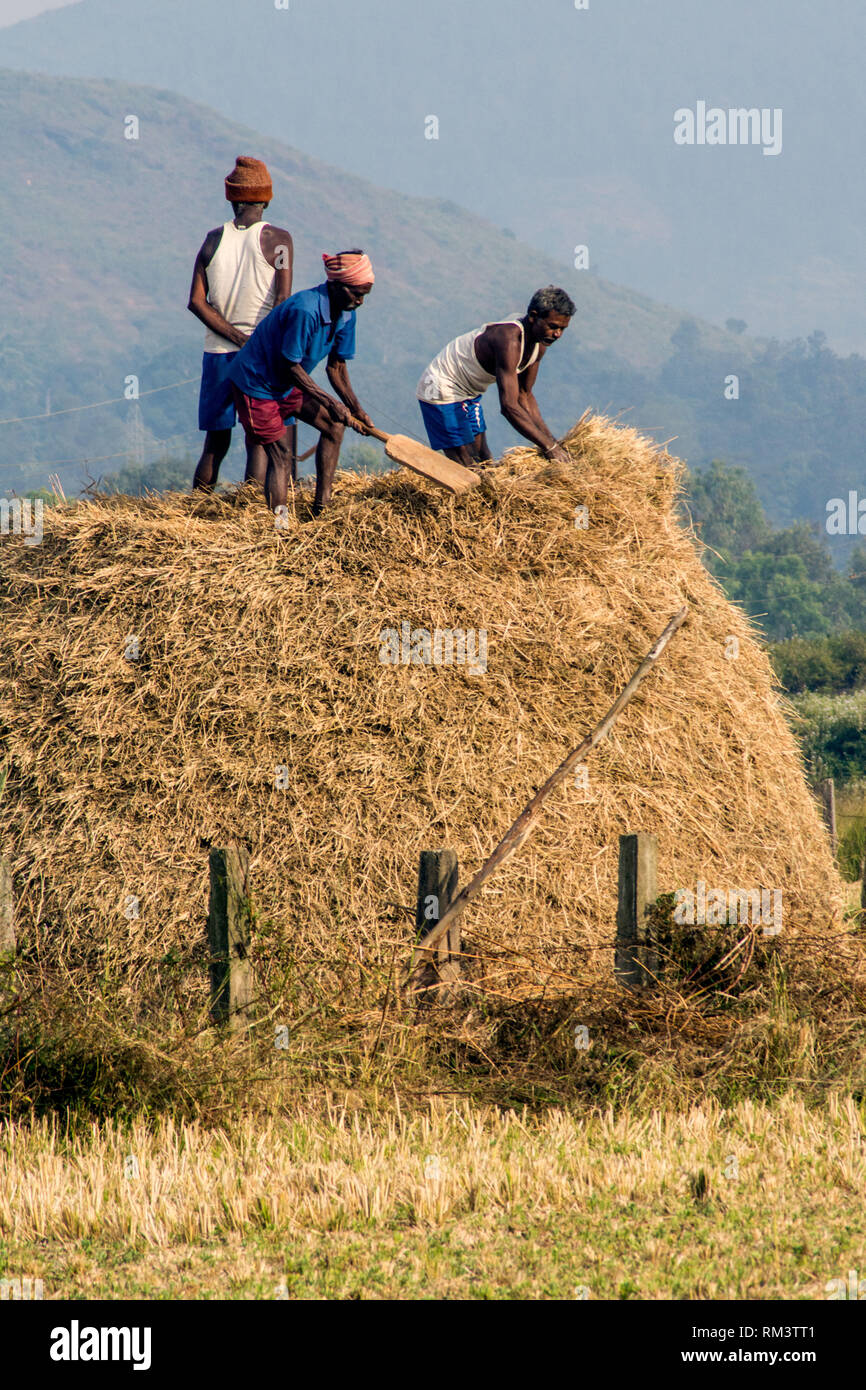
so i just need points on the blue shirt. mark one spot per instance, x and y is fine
(298, 330)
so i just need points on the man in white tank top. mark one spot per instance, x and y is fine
(507, 352)
(243, 269)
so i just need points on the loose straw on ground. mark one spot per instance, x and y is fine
(528, 819)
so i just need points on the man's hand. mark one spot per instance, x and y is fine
(239, 338)
(339, 412)
(559, 454)
(362, 418)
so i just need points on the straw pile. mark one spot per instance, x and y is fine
(259, 650)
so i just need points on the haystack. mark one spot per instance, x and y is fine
(177, 673)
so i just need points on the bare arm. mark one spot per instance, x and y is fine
(278, 250)
(526, 381)
(304, 382)
(198, 300)
(338, 375)
(343, 410)
(504, 342)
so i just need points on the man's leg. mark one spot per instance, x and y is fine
(328, 450)
(216, 416)
(257, 459)
(482, 448)
(257, 463)
(472, 420)
(278, 472)
(465, 455)
(216, 446)
(449, 431)
(270, 450)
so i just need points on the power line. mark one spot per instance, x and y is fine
(97, 458)
(95, 405)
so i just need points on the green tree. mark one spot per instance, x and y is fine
(166, 474)
(777, 591)
(828, 665)
(43, 494)
(362, 456)
(686, 338)
(784, 579)
(724, 505)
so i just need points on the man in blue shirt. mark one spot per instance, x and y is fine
(271, 380)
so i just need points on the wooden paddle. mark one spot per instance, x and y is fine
(437, 467)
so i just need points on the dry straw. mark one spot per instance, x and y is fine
(259, 649)
(157, 1184)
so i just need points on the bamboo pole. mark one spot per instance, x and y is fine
(530, 815)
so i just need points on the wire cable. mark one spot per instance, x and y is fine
(95, 405)
(96, 458)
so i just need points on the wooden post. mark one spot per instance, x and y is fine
(7, 912)
(437, 886)
(228, 931)
(529, 817)
(292, 441)
(827, 792)
(636, 962)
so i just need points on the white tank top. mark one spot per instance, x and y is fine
(240, 283)
(457, 375)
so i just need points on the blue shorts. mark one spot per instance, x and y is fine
(449, 426)
(216, 406)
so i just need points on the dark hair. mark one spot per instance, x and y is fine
(552, 301)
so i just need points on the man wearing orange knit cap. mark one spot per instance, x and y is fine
(243, 269)
(272, 382)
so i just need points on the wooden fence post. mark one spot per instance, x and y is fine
(827, 792)
(437, 886)
(228, 931)
(636, 961)
(7, 912)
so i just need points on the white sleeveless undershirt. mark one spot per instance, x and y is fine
(240, 283)
(457, 375)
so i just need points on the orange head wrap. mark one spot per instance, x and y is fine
(349, 268)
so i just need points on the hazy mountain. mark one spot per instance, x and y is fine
(97, 249)
(12, 11)
(553, 121)
(102, 233)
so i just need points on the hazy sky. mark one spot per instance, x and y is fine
(13, 10)
(555, 123)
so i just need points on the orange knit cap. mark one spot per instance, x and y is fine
(349, 268)
(249, 181)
